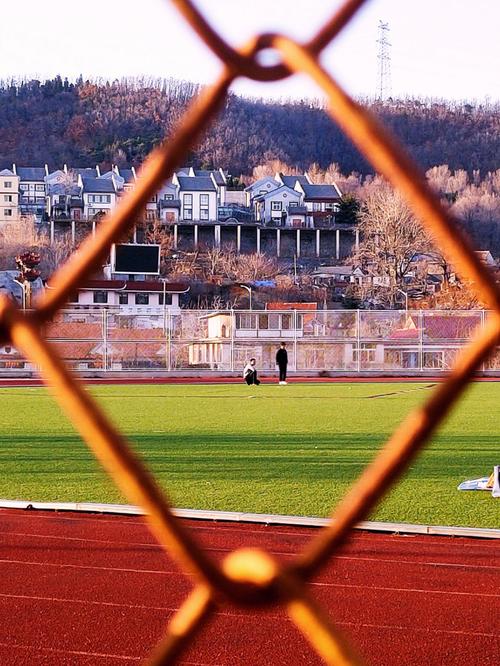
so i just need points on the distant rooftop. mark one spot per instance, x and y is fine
(31, 173)
(196, 183)
(98, 185)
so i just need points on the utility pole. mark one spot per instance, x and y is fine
(384, 61)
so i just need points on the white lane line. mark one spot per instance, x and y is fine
(79, 653)
(246, 616)
(160, 572)
(416, 630)
(378, 588)
(158, 548)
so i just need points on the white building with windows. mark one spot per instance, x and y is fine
(131, 296)
(260, 187)
(274, 206)
(32, 190)
(99, 195)
(198, 198)
(9, 196)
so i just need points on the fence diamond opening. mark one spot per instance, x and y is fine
(250, 577)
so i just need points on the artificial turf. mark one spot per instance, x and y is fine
(270, 449)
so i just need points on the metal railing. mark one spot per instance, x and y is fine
(250, 577)
(155, 340)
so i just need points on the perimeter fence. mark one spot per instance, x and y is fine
(253, 577)
(204, 342)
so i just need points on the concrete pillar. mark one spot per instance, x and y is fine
(195, 236)
(51, 231)
(298, 243)
(278, 242)
(238, 238)
(217, 235)
(318, 242)
(258, 240)
(337, 243)
(73, 231)
(356, 242)
(176, 238)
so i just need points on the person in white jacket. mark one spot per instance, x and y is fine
(250, 373)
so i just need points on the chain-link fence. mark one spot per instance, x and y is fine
(205, 342)
(254, 577)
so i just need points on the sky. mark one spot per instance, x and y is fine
(439, 48)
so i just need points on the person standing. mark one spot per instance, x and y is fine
(250, 373)
(282, 362)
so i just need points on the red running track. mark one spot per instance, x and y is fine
(81, 589)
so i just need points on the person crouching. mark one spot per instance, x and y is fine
(250, 373)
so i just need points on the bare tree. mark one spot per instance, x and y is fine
(391, 241)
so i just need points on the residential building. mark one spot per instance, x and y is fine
(320, 201)
(32, 190)
(99, 196)
(9, 196)
(261, 186)
(276, 206)
(198, 197)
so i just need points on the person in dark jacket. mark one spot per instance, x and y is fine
(282, 362)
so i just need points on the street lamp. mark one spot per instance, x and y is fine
(405, 294)
(249, 289)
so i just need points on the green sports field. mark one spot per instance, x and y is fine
(270, 449)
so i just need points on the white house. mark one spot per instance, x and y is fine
(261, 186)
(32, 188)
(99, 195)
(9, 196)
(276, 205)
(220, 180)
(198, 198)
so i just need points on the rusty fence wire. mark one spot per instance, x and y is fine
(250, 577)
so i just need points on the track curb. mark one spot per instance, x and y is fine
(260, 518)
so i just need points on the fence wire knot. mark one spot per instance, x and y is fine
(249, 577)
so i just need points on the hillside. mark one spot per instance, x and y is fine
(85, 123)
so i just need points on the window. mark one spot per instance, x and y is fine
(276, 205)
(274, 321)
(8, 212)
(168, 299)
(286, 322)
(7, 197)
(292, 204)
(100, 296)
(168, 197)
(106, 198)
(188, 206)
(203, 206)
(263, 322)
(23, 187)
(316, 206)
(246, 321)
(142, 299)
(7, 184)
(40, 188)
(123, 299)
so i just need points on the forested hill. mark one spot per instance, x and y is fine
(85, 123)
